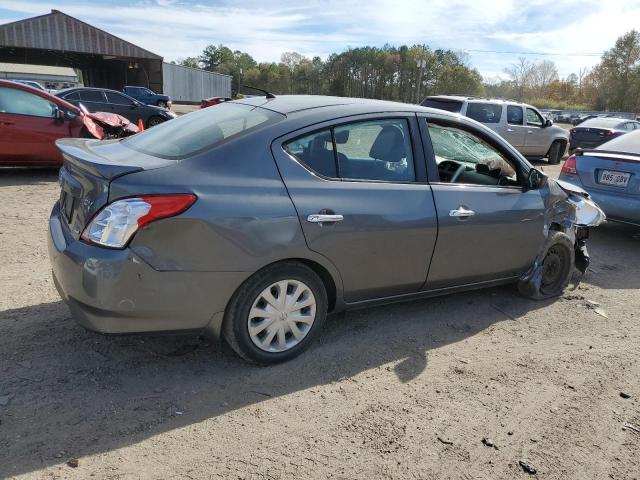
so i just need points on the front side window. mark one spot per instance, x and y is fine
(371, 150)
(20, 102)
(118, 99)
(190, 134)
(92, 96)
(72, 96)
(484, 112)
(533, 118)
(464, 158)
(514, 115)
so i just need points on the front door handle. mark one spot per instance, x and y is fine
(6, 122)
(462, 212)
(509, 129)
(324, 218)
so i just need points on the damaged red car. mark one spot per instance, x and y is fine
(32, 120)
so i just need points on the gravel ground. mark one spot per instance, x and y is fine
(403, 391)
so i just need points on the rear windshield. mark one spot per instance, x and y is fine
(602, 122)
(201, 130)
(448, 105)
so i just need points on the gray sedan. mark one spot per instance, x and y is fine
(253, 220)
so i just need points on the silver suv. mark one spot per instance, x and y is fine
(520, 124)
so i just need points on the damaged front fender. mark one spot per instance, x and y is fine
(569, 212)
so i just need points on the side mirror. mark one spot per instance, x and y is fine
(58, 115)
(548, 123)
(535, 179)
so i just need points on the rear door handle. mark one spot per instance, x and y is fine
(324, 218)
(462, 212)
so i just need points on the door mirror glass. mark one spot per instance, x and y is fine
(535, 179)
(58, 114)
(548, 123)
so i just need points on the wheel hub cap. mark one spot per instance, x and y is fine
(281, 316)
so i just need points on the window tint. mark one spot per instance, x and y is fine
(72, 96)
(316, 152)
(448, 105)
(92, 96)
(464, 158)
(118, 98)
(484, 112)
(375, 150)
(534, 118)
(20, 102)
(514, 115)
(200, 130)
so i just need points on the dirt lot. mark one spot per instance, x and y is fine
(404, 391)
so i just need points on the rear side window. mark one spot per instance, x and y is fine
(20, 102)
(371, 150)
(92, 96)
(484, 112)
(450, 106)
(514, 115)
(201, 130)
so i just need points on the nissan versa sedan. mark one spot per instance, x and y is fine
(254, 219)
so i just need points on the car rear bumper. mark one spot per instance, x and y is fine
(621, 208)
(573, 144)
(115, 291)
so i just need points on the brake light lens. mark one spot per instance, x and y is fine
(570, 167)
(118, 222)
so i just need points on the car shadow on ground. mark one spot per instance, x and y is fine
(18, 176)
(92, 393)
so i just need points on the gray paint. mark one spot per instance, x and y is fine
(396, 241)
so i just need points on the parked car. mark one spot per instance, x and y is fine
(148, 97)
(611, 175)
(102, 99)
(209, 102)
(520, 124)
(596, 131)
(31, 120)
(236, 221)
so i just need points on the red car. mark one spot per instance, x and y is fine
(213, 101)
(32, 120)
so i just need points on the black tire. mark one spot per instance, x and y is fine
(556, 152)
(235, 328)
(554, 272)
(153, 121)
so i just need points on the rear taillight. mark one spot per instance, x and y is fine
(609, 133)
(572, 131)
(569, 167)
(118, 222)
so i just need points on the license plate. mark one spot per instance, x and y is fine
(611, 177)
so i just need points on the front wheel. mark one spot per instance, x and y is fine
(556, 152)
(275, 315)
(153, 121)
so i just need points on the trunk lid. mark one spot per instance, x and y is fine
(609, 171)
(89, 168)
(591, 134)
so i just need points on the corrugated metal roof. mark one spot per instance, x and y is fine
(59, 31)
(37, 69)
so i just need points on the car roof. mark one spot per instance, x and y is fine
(289, 104)
(603, 122)
(471, 98)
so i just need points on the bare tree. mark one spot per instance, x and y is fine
(520, 75)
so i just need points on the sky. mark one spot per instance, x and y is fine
(175, 29)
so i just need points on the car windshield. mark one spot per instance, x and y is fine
(201, 130)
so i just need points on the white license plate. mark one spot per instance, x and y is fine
(611, 177)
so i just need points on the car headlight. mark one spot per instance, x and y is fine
(117, 222)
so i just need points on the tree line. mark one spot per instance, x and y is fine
(410, 73)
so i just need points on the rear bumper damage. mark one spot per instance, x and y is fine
(570, 210)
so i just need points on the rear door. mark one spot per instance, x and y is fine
(489, 227)
(360, 191)
(28, 128)
(515, 129)
(536, 140)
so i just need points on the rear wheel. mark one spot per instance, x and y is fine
(556, 152)
(275, 315)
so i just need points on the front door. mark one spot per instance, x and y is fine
(489, 227)
(28, 128)
(536, 140)
(363, 203)
(515, 130)
(123, 105)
